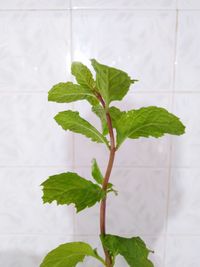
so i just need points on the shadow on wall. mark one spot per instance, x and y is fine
(18, 258)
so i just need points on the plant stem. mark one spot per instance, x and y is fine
(108, 258)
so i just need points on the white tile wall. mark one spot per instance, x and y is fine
(28, 250)
(125, 4)
(189, 4)
(31, 4)
(183, 251)
(159, 178)
(121, 40)
(30, 42)
(188, 55)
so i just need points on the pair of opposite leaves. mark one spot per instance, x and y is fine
(112, 84)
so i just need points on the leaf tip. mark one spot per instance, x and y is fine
(134, 81)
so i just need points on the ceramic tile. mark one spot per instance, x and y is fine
(34, 50)
(143, 151)
(21, 208)
(186, 148)
(123, 4)
(121, 41)
(139, 191)
(31, 4)
(187, 72)
(191, 4)
(157, 245)
(23, 251)
(29, 134)
(184, 216)
(182, 251)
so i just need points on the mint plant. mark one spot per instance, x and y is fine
(111, 84)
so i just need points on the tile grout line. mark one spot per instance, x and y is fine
(88, 166)
(73, 135)
(96, 9)
(2, 92)
(187, 235)
(171, 138)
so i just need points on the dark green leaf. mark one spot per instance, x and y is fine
(132, 249)
(148, 121)
(69, 92)
(70, 120)
(68, 188)
(96, 172)
(69, 255)
(112, 84)
(83, 75)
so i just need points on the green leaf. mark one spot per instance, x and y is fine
(112, 84)
(68, 188)
(96, 172)
(69, 92)
(148, 121)
(70, 120)
(98, 177)
(115, 115)
(83, 75)
(100, 112)
(132, 249)
(69, 255)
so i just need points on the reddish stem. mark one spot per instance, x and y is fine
(108, 258)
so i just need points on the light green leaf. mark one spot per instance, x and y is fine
(132, 249)
(70, 120)
(69, 255)
(69, 92)
(98, 177)
(100, 112)
(115, 115)
(112, 84)
(68, 188)
(96, 172)
(148, 121)
(83, 75)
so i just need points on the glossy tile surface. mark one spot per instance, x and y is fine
(121, 41)
(28, 250)
(183, 251)
(29, 134)
(186, 148)
(188, 54)
(21, 207)
(184, 216)
(34, 50)
(191, 4)
(31, 4)
(124, 4)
